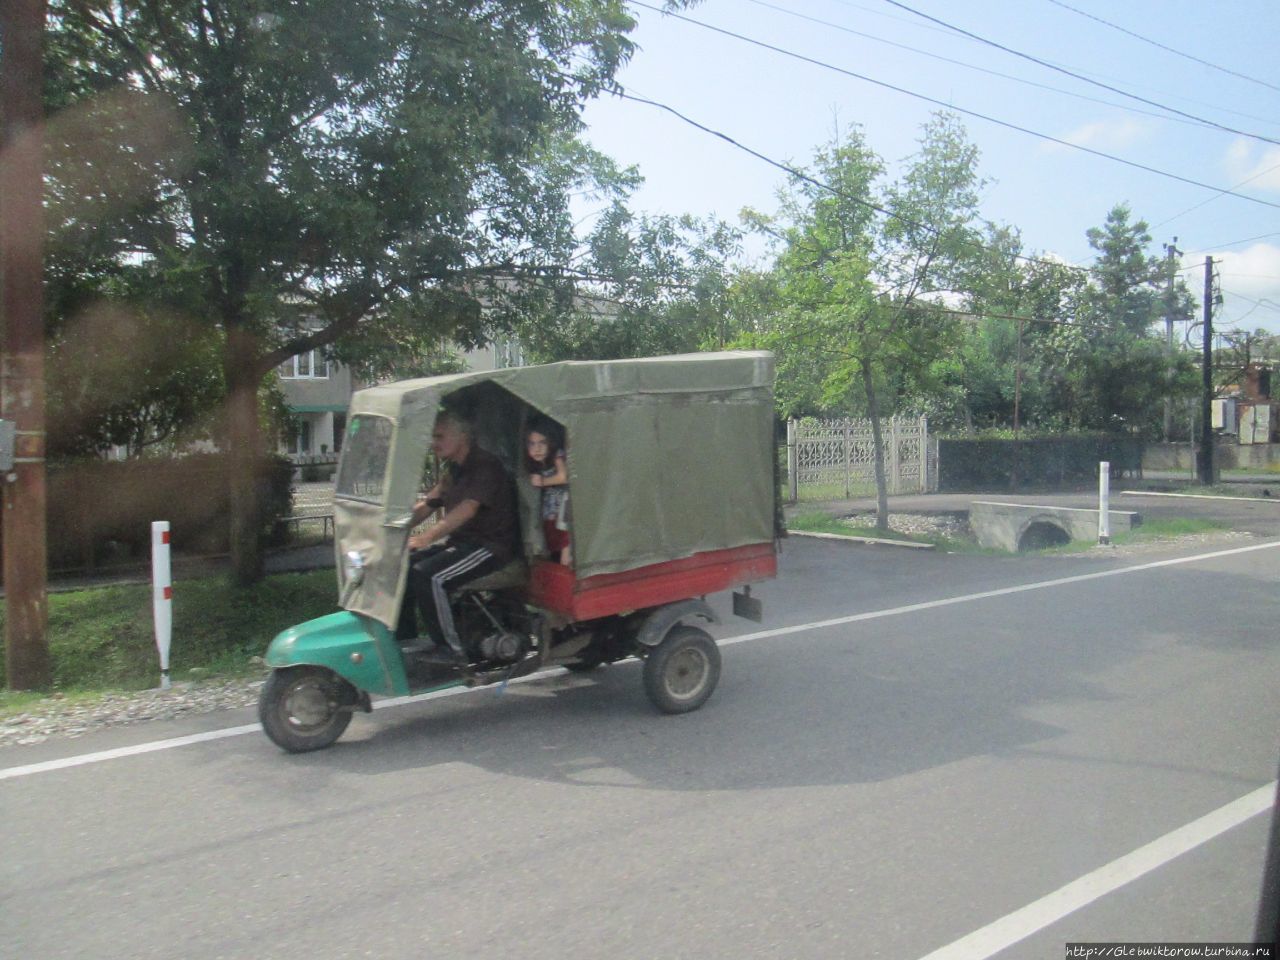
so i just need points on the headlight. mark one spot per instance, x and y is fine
(353, 566)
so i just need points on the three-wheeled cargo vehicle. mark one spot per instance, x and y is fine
(671, 473)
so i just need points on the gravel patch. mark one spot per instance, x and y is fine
(57, 716)
(951, 525)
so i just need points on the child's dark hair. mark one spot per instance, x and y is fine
(554, 434)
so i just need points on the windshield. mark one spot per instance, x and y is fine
(364, 460)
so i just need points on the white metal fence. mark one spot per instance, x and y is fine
(834, 459)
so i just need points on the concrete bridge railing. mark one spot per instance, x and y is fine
(1024, 526)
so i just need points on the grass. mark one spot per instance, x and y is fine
(1245, 471)
(103, 640)
(1149, 532)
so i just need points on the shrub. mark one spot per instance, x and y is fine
(1062, 461)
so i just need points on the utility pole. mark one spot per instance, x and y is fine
(1205, 461)
(22, 343)
(1170, 304)
(1017, 383)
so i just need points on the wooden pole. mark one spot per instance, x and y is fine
(22, 347)
(1205, 462)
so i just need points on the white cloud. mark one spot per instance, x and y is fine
(1103, 135)
(1256, 168)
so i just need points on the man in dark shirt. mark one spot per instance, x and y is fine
(479, 520)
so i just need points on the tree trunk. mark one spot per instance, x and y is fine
(244, 440)
(877, 446)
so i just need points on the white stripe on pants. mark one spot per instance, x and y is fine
(438, 580)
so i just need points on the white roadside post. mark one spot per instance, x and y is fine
(1104, 502)
(162, 595)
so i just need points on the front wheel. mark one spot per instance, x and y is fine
(682, 671)
(305, 708)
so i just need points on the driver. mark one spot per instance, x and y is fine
(479, 521)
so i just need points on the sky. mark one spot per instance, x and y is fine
(784, 108)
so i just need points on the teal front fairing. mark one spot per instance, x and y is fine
(355, 647)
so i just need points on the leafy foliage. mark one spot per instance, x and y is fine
(302, 174)
(643, 286)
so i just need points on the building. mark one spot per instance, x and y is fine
(318, 391)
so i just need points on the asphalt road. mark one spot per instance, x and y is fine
(946, 772)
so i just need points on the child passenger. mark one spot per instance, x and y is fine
(549, 472)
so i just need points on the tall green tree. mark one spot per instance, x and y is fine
(864, 293)
(327, 170)
(640, 286)
(1110, 368)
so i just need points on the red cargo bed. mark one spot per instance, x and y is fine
(554, 587)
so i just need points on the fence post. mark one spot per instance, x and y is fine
(162, 595)
(895, 483)
(793, 462)
(1104, 502)
(924, 454)
(848, 454)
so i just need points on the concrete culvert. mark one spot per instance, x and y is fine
(1041, 535)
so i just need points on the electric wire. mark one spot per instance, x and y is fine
(621, 93)
(951, 106)
(973, 66)
(1234, 243)
(1078, 76)
(1221, 108)
(1234, 186)
(1157, 43)
(1264, 302)
(801, 175)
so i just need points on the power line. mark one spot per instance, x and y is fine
(974, 66)
(951, 106)
(801, 175)
(1234, 186)
(1264, 303)
(1222, 108)
(1157, 43)
(1078, 76)
(1235, 243)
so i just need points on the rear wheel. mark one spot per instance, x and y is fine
(681, 672)
(305, 708)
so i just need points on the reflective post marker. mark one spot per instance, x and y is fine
(162, 595)
(1104, 502)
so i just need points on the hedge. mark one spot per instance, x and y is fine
(1066, 461)
(101, 510)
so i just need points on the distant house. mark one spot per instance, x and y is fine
(318, 392)
(1246, 410)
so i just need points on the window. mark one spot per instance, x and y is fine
(364, 464)
(305, 366)
(300, 439)
(339, 431)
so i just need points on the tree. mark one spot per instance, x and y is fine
(863, 297)
(338, 169)
(1111, 369)
(641, 286)
(1014, 302)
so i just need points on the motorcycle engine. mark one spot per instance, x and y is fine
(501, 645)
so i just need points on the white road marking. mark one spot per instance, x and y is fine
(10, 773)
(30, 769)
(987, 594)
(1034, 917)
(1196, 496)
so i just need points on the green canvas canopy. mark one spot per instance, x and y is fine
(667, 456)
